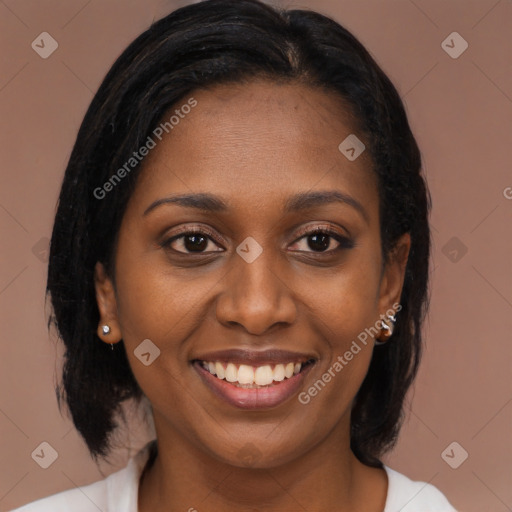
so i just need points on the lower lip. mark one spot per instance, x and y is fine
(256, 398)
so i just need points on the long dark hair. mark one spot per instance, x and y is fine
(213, 42)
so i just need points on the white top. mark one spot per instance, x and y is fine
(119, 493)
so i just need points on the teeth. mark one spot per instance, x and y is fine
(279, 372)
(248, 376)
(263, 375)
(219, 370)
(245, 374)
(231, 373)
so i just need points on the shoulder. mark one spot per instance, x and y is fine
(119, 491)
(81, 499)
(406, 495)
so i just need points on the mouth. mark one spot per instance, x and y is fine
(253, 386)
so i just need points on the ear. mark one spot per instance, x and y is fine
(107, 305)
(394, 274)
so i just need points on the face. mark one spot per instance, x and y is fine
(263, 279)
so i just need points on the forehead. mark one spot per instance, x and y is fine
(257, 143)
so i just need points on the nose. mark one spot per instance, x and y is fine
(256, 295)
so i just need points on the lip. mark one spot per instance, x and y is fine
(257, 398)
(254, 357)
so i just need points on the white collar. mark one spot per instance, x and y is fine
(403, 494)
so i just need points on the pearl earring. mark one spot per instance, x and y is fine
(106, 329)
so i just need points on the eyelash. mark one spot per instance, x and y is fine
(344, 242)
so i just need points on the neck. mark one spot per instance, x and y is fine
(326, 477)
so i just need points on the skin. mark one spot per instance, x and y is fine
(255, 145)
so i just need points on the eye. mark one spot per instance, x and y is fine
(192, 240)
(320, 240)
(202, 241)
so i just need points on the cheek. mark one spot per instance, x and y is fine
(344, 312)
(346, 302)
(154, 301)
(347, 359)
(162, 310)
(153, 306)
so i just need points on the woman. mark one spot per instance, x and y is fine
(242, 241)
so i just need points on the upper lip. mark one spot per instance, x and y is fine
(255, 357)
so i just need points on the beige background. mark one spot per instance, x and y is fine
(460, 110)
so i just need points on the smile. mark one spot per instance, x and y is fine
(251, 387)
(251, 377)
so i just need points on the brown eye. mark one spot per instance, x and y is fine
(191, 241)
(320, 240)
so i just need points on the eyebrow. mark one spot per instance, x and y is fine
(305, 200)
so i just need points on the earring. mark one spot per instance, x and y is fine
(386, 330)
(105, 329)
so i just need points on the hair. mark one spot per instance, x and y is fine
(195, 47)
